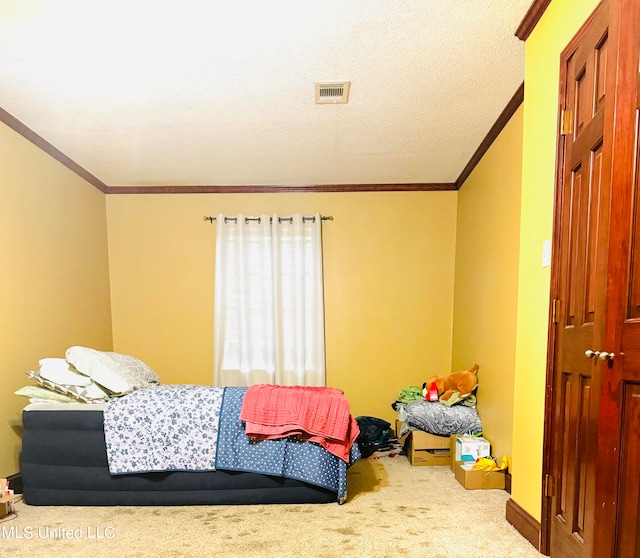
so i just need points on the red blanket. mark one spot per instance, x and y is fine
(317, 414)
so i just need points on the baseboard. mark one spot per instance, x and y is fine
(525, 523)
(507, 481)
(15, 483)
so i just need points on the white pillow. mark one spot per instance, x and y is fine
(40, 393)
(59, 371)
(116, 372)
(90, 393)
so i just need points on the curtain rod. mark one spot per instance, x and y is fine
(280, 219)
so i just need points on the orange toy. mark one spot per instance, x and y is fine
(464, 382)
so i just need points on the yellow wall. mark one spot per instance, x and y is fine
(54, 282)
(486, 280)
(388, 266)
(559, 23)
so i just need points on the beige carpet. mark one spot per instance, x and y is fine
(394, 510)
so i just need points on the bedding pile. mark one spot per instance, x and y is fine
(436, 417)
(316, 414)
(199, 428)
(89, 376)
(289, 456)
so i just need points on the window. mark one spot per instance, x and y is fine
(269, 309)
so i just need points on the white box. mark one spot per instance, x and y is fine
(469, 448)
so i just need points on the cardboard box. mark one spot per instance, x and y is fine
(6, 505)
(427, 449)
(398, 427)
(469, 448)
(424, 440)
(473, 480)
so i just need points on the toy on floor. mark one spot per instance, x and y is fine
(490, 464)
(463, 382)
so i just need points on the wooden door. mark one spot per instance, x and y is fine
(618, 483)
(580, 242)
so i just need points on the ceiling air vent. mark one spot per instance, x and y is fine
(332, 92)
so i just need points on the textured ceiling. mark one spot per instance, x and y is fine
(222, 93)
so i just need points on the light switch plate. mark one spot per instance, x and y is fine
(546, 253)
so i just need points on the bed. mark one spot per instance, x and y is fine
(68, 455)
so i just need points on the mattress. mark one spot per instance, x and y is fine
(64, 462)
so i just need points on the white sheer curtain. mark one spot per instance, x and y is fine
(268, 307)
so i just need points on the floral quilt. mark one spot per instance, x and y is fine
(165, 428)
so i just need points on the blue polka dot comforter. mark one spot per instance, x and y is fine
(197, 428)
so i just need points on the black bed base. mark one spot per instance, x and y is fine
(64, 463)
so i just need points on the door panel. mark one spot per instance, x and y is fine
(633, 302)
(628, 532)
(593, 424)
(583, 515)
(581, 240)
(623, 375)
(594, 234)
(601, 73)
(618, 481)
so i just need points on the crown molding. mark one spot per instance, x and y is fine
(531, 19)
(54, 152)
(260, 189)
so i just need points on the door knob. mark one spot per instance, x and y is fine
(590, 354)
(605, 356)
